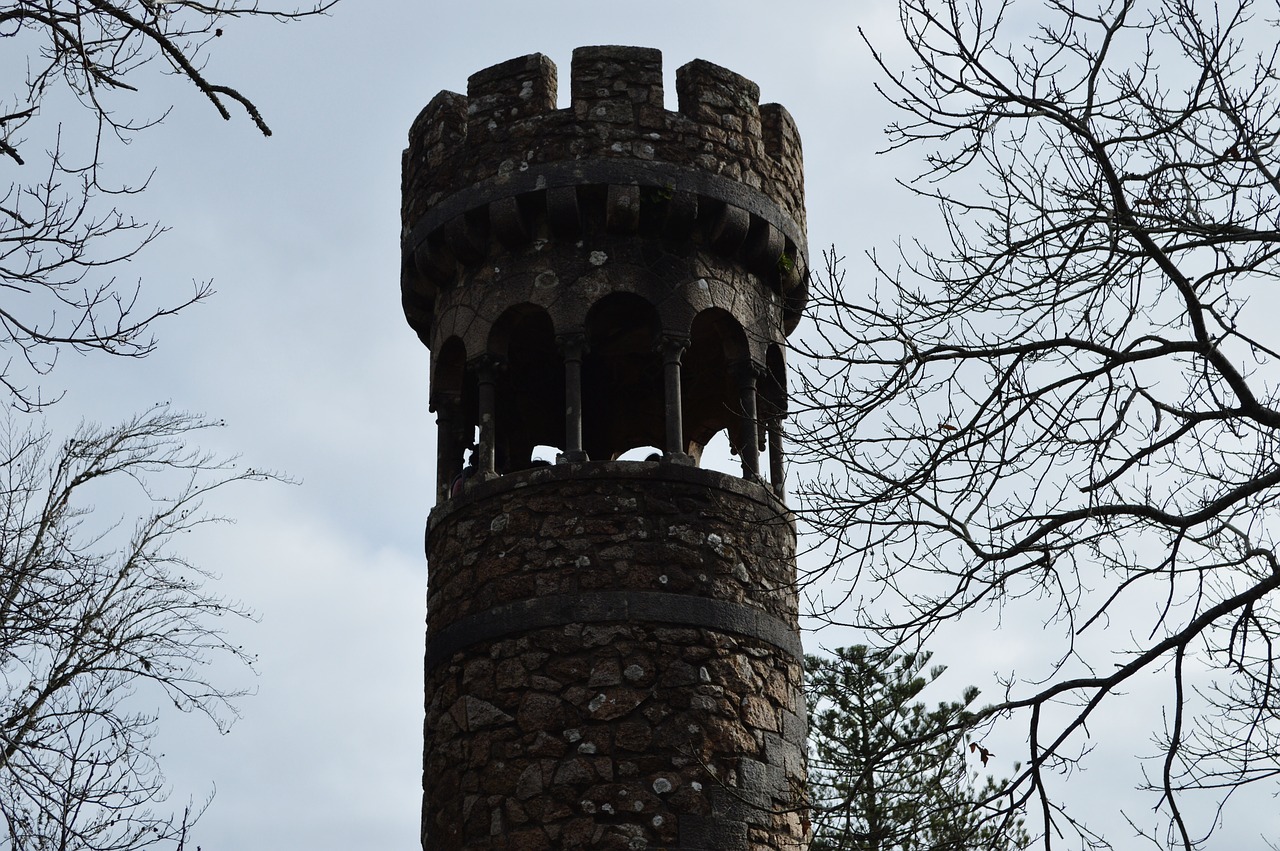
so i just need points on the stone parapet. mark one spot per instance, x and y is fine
(508, 123)
(502, 166)
(637, 527)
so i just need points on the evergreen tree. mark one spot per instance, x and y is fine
(887, 773)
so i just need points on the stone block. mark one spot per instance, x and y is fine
(541, 712)
(760, 714)
(712, 833)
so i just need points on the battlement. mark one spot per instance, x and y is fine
(493, 163)
(508, 122)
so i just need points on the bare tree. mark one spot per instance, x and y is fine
(62, 229)
(1068, 409)
(98, 625)
(98, 622)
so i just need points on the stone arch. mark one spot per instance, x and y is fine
(528, 385)
(773, 383)
(757, 317)
(622, 379)
(453, 399)
(448, 368)
(717, 348)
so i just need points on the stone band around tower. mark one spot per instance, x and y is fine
(723, 561)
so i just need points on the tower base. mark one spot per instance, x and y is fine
(613, 662)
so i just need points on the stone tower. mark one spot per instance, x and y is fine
(613, 657)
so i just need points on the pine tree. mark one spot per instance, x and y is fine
(886, 772)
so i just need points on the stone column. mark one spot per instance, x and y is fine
(572, 347)
(448, 409)
(777, 473)
(672, 349)
(486, 378)
(745, 373)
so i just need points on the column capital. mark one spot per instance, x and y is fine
(572, 345)
(672, 347)
(746, 371)
(444, 402)
(487, 366)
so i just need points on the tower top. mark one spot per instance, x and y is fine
(734, 164)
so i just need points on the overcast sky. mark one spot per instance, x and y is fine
(305, 353)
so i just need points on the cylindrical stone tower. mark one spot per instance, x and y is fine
(613, 656)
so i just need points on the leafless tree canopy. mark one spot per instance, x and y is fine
(63, 221)
(92, 614)
(1067, 408)
(99, 625)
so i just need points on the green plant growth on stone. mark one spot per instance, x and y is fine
(786, 263)
(886, 772)
(657, 194)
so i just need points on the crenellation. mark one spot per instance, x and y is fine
(438, 134)
(709, 92)
(617, 85)
(508, 122)
(509, 91)
(781, 138)
(514, 167)
(443, 121)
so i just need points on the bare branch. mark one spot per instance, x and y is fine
(93, 616)
(62, 228)
(1070, 402)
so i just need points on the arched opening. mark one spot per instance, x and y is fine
(709, 388)
(528, 386)
(622, 377)
(453, 399)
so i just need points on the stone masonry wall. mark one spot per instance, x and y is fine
(613, 657)
(508, 122)
(613, 662)
(567, 279)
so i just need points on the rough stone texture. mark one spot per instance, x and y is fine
(568, 279)
(618, 526)
(508, 122)
(599, 735)
(690, 757)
